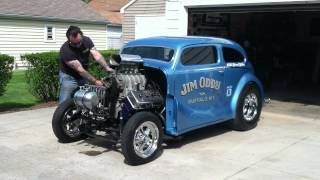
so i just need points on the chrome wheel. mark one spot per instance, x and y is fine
(250, 107)
(146, 139)
(71, 123)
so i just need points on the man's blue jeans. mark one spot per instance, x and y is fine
(68, 86)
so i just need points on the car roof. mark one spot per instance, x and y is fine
(176, 42)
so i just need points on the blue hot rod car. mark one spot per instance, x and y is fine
(164, 85)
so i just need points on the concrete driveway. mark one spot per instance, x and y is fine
(281, 147)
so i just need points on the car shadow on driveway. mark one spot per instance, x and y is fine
(169, 143)
(196, 135)
(97, 143)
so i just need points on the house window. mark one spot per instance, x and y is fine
(49, 34)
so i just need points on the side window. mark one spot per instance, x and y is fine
(160, 53)
(199, 55)
(232, 55)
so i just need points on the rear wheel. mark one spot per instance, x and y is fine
(142, 138)
(66, 123)
(248, 109)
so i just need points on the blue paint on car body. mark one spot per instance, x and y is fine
(199, 95)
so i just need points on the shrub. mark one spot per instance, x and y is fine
(95, 69)
(6, 66)
(43, 74)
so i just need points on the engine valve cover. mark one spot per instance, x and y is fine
(146, 99)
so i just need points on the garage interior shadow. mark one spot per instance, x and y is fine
(283, 46)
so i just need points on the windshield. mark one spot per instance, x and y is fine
(159, 53)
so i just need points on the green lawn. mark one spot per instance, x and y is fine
(17, 95)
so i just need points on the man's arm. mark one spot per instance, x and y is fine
(100, 59)
(76, 65)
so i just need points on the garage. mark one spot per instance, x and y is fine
(282, 42)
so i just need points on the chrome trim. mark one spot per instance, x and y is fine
(250, 107)
(131, 58)
(146, 138)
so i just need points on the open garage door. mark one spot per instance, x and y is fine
(282, 42)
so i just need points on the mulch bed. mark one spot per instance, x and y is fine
(45, 105)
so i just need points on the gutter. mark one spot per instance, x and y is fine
(115, 24)
(53, 19)
(126, 6)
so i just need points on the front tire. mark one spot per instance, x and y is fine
(66, 123)
(142, 138)
(248, 109)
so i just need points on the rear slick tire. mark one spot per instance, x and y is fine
(248, 109)
(65, 114)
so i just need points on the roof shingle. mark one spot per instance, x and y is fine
(71, 10)
(110, 9)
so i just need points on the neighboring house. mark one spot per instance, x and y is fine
(110, 9)
(29, 26)
(143, 16)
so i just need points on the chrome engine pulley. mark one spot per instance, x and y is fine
(90, 97)
(86, 99)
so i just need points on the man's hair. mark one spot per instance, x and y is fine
(73, 31)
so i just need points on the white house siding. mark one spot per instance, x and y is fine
(150, 25)
(140, 7)
(176, 18)
(18, 37)
(114, 37)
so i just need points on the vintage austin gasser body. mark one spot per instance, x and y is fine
(166, 85)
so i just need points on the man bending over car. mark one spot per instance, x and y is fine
(74, 60)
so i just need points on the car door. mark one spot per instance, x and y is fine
(235, 60)
(199, 84)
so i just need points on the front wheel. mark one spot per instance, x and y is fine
(66, 123)
(141, 138)
(248, 109)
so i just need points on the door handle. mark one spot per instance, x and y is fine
(221, 70)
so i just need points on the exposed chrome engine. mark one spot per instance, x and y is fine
(130, 97)
(124, 92)
(132, 81)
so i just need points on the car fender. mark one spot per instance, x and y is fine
(242, 83)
